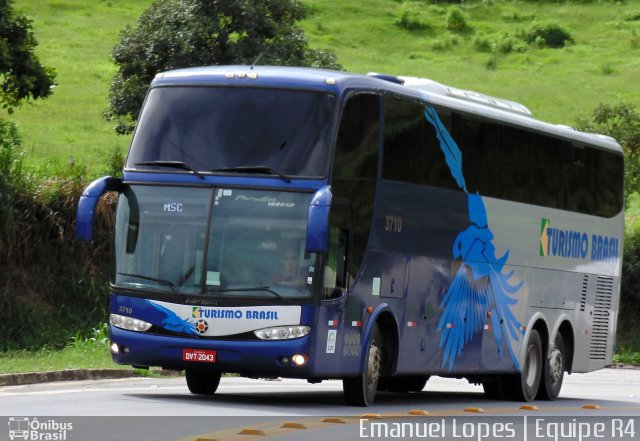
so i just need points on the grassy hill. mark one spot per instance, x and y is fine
(75, 37)
(409, 38)
(556, 84)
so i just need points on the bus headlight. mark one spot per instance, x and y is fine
(129, 323)
(282, 332)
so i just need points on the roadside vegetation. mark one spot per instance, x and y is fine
(569, 62)
(90, 352)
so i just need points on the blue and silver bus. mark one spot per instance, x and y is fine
(313, 224)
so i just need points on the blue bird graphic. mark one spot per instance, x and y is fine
(480, 290)
(172, 322)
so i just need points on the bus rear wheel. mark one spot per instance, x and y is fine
(553, 371)
(361, 390)
(202, 382)
(524, 386)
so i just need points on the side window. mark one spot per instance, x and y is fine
(578, 183)
(436, 171)
(403, 129)
(336, 272)
(412, 151)
(355, 169)
(480, 156)
(356, 155)
(514, 165)
(608, 172)
(546, 170)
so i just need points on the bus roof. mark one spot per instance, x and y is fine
(338, 82)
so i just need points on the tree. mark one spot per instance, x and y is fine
(22, 77)
(174, 34)
(622, 122)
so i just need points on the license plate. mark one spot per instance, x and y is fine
(200, 355)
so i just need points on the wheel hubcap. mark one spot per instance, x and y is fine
(556, 365)
(373, 367)
(532, 367)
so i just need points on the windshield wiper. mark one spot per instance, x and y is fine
(264, 169)
(171, 285)
(257, 288)
(172, 164)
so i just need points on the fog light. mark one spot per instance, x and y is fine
(299, 360)
(115, 348)
(282, 332)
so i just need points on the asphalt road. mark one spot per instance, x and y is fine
(604, 402)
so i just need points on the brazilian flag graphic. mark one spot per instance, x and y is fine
(544, 238)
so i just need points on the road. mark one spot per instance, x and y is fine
(162, 409)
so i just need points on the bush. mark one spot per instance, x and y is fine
(44, 271)
(115, 162)
(456, 19)
(629, 322)
(548, 34)
(607, 69)
(508, 43)
(632, 16)
(412, 20)
(482, 43)
(635, 40)
(491, 64)
(515, 15)
(443, 45)
(12, 178)
(10, 155)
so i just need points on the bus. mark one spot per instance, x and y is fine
(313, 224)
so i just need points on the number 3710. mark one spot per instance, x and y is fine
(393, 224)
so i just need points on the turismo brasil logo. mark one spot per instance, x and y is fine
(573, 244)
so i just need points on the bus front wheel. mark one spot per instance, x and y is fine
(525, 385)
(361, 390)
(553, 372)
(202, 383)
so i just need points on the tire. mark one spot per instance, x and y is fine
(524, 386)
(361, 390)
(496, 388)
(403, 384)
(553, 371)
(202, 383)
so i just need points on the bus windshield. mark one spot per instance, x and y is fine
(233, 129)
(226, 243)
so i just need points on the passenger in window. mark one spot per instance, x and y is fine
(291, 274)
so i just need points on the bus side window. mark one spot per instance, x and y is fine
(355, 170)
(336, 275)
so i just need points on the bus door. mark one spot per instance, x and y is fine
(331, 316)
(353, 189)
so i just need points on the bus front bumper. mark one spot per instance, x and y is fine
(248, 358)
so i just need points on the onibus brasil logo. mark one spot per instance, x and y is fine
(32, 429)
(573, 244)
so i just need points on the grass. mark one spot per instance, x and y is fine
(627, 356)
(91, 353)
(76, 38)
(81, 353)
(391, 36)
(558, 85)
